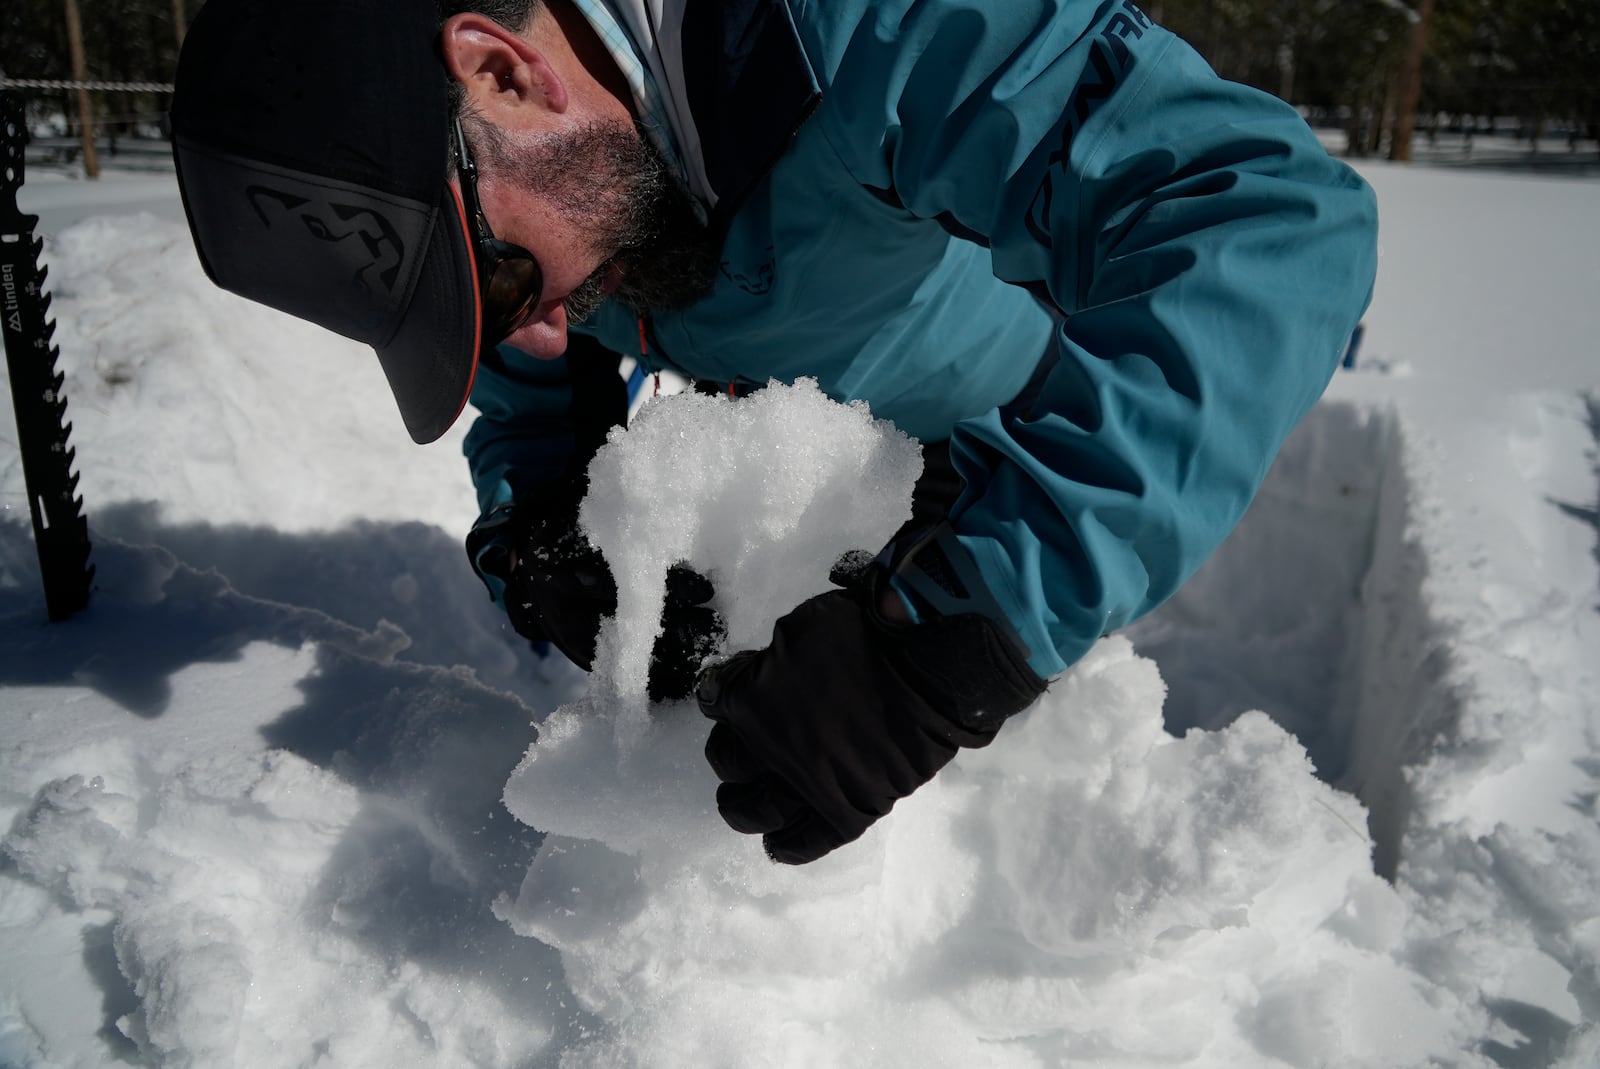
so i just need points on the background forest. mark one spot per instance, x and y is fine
(1387, 71)
(1465, 64)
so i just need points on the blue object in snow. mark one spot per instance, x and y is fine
(1353, 346)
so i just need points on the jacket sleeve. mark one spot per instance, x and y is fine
(539, 423)
(1208, 255)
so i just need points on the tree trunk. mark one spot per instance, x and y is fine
(1352, 129)
(80, 74)
(1380, 124)
(1410, 84)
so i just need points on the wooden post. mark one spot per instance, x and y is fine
(1410, 84)
(80, 74)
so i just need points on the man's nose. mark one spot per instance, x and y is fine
(544, 337)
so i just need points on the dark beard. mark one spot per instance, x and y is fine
(672, 269)
(610, 179)
(676, 266)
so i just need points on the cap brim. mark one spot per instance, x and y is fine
(433, 357)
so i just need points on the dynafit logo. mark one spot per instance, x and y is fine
(756, 281)
(364, 237)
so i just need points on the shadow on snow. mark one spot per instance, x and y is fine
(421, 698)
(167, 597)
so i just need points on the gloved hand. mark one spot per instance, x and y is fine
(846, 712)
(559, 589)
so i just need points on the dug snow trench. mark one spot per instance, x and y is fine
(1313, 611)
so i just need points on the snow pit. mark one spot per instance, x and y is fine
(1313, 611)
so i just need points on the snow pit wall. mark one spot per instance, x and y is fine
(1313, 612)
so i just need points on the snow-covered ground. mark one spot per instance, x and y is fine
(289, 792)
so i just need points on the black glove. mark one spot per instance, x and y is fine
(559, 590)
(819, 734)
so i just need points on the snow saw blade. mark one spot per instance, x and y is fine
(60, 531)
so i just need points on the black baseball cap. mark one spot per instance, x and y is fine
(312, 147)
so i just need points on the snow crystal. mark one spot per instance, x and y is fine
(762, 496)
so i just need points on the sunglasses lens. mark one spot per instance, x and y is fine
(511, 294)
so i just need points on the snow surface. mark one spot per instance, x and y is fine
(290, 793)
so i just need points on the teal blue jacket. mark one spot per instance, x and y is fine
(925, 202)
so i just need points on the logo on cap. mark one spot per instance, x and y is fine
(367, 240)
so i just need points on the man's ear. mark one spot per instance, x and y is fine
(504, 74)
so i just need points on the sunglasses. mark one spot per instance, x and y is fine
(509, 279)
